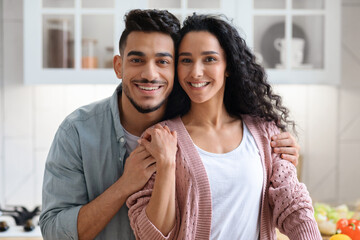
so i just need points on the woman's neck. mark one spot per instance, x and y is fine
(208, 114)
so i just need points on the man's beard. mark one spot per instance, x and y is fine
(139, 108)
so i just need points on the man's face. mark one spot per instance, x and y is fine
(147, 69)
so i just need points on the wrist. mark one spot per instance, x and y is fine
(121, 189)
(166, 165)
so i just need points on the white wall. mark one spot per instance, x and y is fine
(328, 118)
(1, 100)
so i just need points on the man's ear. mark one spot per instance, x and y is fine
(117, 63)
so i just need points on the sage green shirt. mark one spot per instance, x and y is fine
(86, 157)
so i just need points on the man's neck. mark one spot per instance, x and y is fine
(135, 122)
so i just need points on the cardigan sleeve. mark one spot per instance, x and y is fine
(292, 207)
(140, 223)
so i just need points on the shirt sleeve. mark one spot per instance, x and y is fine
(292, 207)
(142, 226)
(64, 187)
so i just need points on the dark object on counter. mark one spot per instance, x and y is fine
(20, 214)
(3, 226)
(29, 226)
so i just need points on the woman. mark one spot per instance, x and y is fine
(229, 184)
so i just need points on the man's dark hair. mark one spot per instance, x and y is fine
(149, 20)
(152, 20)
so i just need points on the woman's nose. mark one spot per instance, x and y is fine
(197, 70)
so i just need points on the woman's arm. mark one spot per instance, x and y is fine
(292, 206)
(152, 211)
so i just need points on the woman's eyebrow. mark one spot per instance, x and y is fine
(185, 54)
(209, 53)
(203, 53)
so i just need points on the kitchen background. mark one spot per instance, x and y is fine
(328, 117)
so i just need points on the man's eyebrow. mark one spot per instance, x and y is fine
(136, 53)
(164, 54)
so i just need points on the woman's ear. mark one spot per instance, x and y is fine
(226, 74)
(117, 64)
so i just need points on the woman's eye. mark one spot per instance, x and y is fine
(185, 60)
(210, 59)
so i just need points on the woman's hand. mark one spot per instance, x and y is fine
(161, 143)
(286, 145)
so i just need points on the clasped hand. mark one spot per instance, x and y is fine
(161, 143)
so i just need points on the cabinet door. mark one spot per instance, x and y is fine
(298, 41)
(72, 41)
(184, 8)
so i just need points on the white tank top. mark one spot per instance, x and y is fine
(236, 182)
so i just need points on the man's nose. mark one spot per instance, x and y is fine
(150, 72)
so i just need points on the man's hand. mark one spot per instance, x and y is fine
(139, 167)
(286, 145)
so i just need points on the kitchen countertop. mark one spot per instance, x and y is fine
(17, 232)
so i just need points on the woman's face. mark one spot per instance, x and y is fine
(202, 67)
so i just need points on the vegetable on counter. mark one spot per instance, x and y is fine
(340, 237)
(349, 227)
(327, 216)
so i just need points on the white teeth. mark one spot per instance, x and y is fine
(198, 84)
(148, 88)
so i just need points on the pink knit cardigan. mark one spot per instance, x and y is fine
(286, 203)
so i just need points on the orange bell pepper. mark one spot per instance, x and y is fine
(350, 227)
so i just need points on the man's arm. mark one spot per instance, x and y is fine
(67, 212)
(137, 171)
(285, 144)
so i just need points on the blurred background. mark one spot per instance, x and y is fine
(56, 55)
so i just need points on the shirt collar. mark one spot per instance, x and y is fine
(114, 106)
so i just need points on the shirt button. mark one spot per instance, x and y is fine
(122, 139)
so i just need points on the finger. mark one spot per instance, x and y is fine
(282, 135)
(287, 142)
(158, 126)
(174, 133)
(167, 129)
(290, 158)
(145, 143)
(148, 133)
(142, 155)
(149, 161)
(138, 149)
(286, 150)
(151, 170)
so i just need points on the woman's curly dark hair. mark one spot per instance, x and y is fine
(246, 89)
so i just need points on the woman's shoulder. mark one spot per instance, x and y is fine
(260, 125)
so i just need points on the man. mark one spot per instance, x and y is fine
(87, 179)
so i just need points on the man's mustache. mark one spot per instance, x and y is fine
(149, 81)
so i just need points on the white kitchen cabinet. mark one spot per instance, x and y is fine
(73, 41)
(297, 41)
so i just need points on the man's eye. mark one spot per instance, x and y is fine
(163, 62)
(135, 60)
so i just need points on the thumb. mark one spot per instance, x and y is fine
(144, 142)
